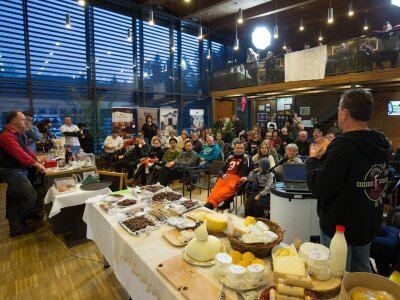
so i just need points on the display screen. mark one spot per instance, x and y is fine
(394, 108)
(294, 172)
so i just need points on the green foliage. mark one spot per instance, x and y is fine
(87, 112)
(229, 126)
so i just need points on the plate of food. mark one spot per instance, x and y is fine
(151, 188)
(139, 224)
(126, 202)
(166, 196)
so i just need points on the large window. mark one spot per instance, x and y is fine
(190, 64)
(13, 84)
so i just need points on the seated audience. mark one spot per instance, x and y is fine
(317, 133)
(262, 181)
(174, 169)
(277, 141)
(135, 149)
(182, 139)
(302, 143)
(253, 144)
(226, 137)
(171, 154)
(265, 150)
(218, 125)
(146, 163)
(291, 151)
(209, 153)
(197, 144)
(219, 141)
(112, 144)
(235, 171)
(163, 139)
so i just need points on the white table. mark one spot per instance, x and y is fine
(69, 199)
(134, 259)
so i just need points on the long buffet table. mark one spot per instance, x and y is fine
(135, 259)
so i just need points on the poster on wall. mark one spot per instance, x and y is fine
(196, 119)
(168, 120)
(122, 118)
(142, 112)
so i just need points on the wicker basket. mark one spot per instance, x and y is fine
(259, 249)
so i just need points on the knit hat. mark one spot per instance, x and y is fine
(264, 164)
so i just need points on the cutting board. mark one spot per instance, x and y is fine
(172, 236)
(177, 271)
(201, 288)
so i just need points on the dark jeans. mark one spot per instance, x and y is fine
(127, 164)
(168, 174)
(392, 55)
(21, 197)
(256, 208)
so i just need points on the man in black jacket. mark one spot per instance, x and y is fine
(350, 177)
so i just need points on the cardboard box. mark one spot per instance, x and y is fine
(368, 280)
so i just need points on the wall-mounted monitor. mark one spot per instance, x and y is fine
(394, 108)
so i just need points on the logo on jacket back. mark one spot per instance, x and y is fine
(375, 183)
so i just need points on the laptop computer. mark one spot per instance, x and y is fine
(295, 177)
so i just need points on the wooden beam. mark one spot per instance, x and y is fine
(373, 77)
(194, 8)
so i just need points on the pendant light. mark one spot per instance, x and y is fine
(236, 45)
(365, 24)
(276, 29)
(284, 45)
(200, 36)
(320, 38)
(330, 13)
(240, 16)
(151, 17)
(67, 21)
(301, 27)
(81, 2)
(209, 53)
(351, 11)
(129, 37)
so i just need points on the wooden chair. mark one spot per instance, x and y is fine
(117, 179)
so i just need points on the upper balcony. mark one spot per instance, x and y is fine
(359, 55)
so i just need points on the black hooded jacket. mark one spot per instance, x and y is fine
(350, 181)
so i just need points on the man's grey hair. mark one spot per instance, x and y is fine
(292, 146)
(303, 131)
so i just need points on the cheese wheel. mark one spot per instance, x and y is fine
(290, 290)
(216, 222)
(304, 282)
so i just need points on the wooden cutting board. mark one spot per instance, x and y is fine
(172, 236)
(177, 271)
(201, 288)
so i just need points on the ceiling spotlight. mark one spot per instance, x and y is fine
(366, 25)
(151, 17)
(351, 11)
(187, 1)
(67, 21)
(236, 46)
(284, 46)
(301, 27)
(240, 16)
(57, 44)
(209, 54)
(81, 2)
(129, 37)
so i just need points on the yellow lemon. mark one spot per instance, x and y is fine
(248, 256)
(250, 221)
(244, 263)
(236, 256)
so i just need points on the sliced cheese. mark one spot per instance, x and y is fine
(235, 226)
(304, 282)
(284, 297)
(290, 290)
(289, 265)
(216, 222)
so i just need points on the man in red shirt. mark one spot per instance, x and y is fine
(15, 158)
(235, 171)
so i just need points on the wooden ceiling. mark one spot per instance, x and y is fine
(220, 15)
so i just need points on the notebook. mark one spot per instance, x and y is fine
(295, 177)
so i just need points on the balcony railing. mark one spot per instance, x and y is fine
(356, 55)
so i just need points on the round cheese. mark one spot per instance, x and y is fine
(216, 222)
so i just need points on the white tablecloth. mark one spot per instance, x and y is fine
(134, 259)
(68, 199)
